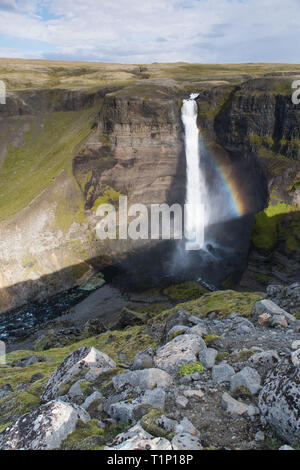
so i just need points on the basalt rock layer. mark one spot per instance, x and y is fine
(65, 152)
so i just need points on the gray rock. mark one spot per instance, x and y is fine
(259, 436)
(233, 406)
(82, 358)
(44, 428)
(122, 411)
(222, 373)
(181, 350)
(136, 438)
(267, 306)
(5, 390)
(296, 344)
(91, 400)
(181, 401)
(248, 378)
(197, 330)
(144, 360)
(286, 448)
(264, 360)
(75, 390)
(186, 427)
(184, 441)
(279, 401)
(176, 330)
(296, 358)
(207, 357)
(145, 379)
(21, 386)
(36, 377)
(156, 398)
(167, 423)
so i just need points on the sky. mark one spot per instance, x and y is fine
(146, 31)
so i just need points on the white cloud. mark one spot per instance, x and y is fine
(158, 30)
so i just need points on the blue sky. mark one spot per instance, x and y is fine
(136, 31)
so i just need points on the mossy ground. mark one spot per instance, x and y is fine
(129, 342)
(186, 291)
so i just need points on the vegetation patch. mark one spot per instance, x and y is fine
(187, 369)
(186, 291)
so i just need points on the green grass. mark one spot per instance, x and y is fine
(187, 369)
(49, 147)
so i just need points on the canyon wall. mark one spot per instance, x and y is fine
(65, 152)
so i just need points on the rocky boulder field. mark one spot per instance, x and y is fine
(221, 371)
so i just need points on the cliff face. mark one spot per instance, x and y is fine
(259, 119)
(62, 153)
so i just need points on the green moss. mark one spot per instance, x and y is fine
(187, 369)
(241, 392)
(185, 291)
(16, 405)
(85, 437)
(109, 196)
(176, 333)
(209, 339)
(149, 424)
(270, 225)
(34, 166)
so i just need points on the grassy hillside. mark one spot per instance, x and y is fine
(22, 74)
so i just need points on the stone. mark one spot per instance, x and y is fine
(233, 406)
(296, 344)
(264, 319)
(166, 423)
(181, 401)
(181, 350)
(91, 400)
(197, 330)
(279, 401)
(278, 320)
(285, 447)
(156, 398)
(21, 386)
(185, 426)
(264, 360)
(176, 330)
(253, 410)
(144, 360)
(248, 378)
(122, 411)
(185, 441)
(82, 358)
(193, 394)
(259, 436)
(145, 379)
(268, 306)
(36, 377)
(44, 428)
(136, 438)
(296, 358)
(75, 390)
(207, 357)
(222, 373)
(5, 390)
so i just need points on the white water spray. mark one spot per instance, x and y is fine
(195, 193)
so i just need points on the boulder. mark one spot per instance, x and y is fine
(248, 378)
(44, 428)
(279, 401)
(207, 357)
(145, 379)
(269, 307)
(144, 359)
(82, 358)
(222, 373)
(233, 406)
(185, 441)
(181, 350)
(136, 438)
(264, 360)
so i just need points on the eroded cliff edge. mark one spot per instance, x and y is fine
(114, 141)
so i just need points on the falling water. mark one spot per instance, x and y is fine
(195, 185)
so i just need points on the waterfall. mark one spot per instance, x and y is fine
(195, 185)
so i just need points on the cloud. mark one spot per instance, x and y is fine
(156, 31)
(7, 5)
